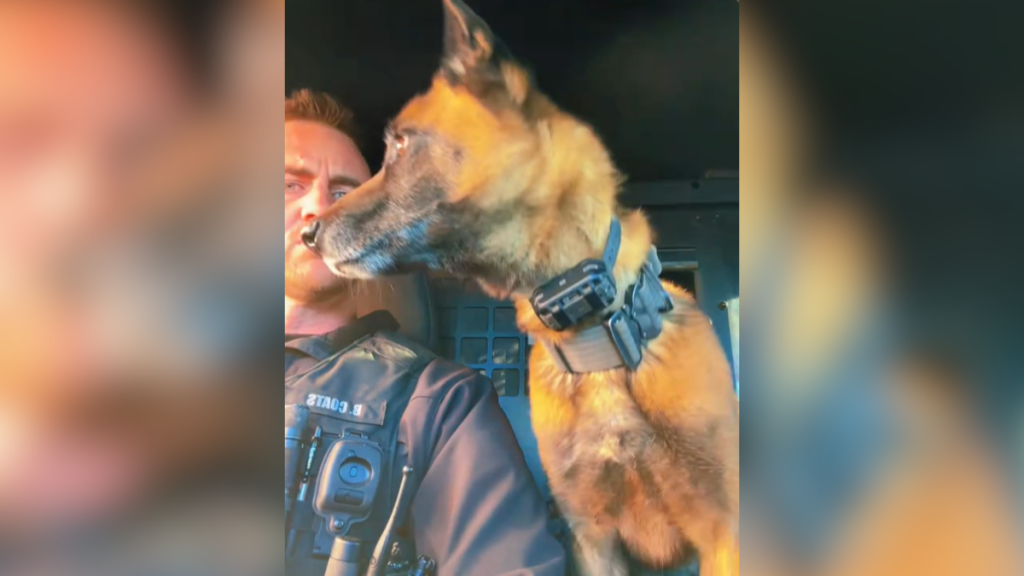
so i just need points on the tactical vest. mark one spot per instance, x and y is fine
(358, 393)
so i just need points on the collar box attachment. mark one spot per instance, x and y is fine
(573, 296)
(621, 339)
(586, 289)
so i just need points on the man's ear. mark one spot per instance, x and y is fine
(468, 41)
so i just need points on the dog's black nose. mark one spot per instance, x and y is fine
(309, 234)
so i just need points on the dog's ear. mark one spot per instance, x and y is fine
(477, 59)
(468, 40)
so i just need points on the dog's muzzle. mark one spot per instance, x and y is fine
(309, 236)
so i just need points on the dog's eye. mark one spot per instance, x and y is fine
(401, 142)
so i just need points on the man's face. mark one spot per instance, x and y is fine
(320, 166)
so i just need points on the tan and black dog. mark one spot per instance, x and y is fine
(485, 177)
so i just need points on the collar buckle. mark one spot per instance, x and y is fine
(625, 335)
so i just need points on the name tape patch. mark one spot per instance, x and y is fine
(345, 409)
(334, 405)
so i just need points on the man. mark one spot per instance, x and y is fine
(477, 510)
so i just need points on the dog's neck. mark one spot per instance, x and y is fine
(570, 200)
(523, 276)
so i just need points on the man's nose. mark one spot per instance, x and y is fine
(309, 235)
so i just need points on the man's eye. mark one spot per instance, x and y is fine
(337, 194)
(292, 187)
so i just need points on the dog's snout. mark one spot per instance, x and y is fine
(309, 235)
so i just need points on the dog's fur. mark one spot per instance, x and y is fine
(485, 177)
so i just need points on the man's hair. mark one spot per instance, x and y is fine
(305, 104)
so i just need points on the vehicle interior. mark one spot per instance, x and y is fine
(657, 79)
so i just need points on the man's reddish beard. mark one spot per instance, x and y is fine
(301, 285)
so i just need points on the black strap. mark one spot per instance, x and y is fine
(611, 247)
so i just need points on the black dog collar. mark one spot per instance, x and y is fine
(589, 288)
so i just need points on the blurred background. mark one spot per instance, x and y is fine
(879, 144)
(139, 287)
(884, 402)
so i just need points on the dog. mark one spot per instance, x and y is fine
(484, 177)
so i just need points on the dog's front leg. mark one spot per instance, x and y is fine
(597, 551)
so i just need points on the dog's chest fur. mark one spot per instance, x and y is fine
(608, 430)
(602, 456)
(645, 456)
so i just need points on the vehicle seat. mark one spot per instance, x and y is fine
(407, 298)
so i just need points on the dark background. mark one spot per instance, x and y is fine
(657, 79)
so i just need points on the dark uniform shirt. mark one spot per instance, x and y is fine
(477, 510)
